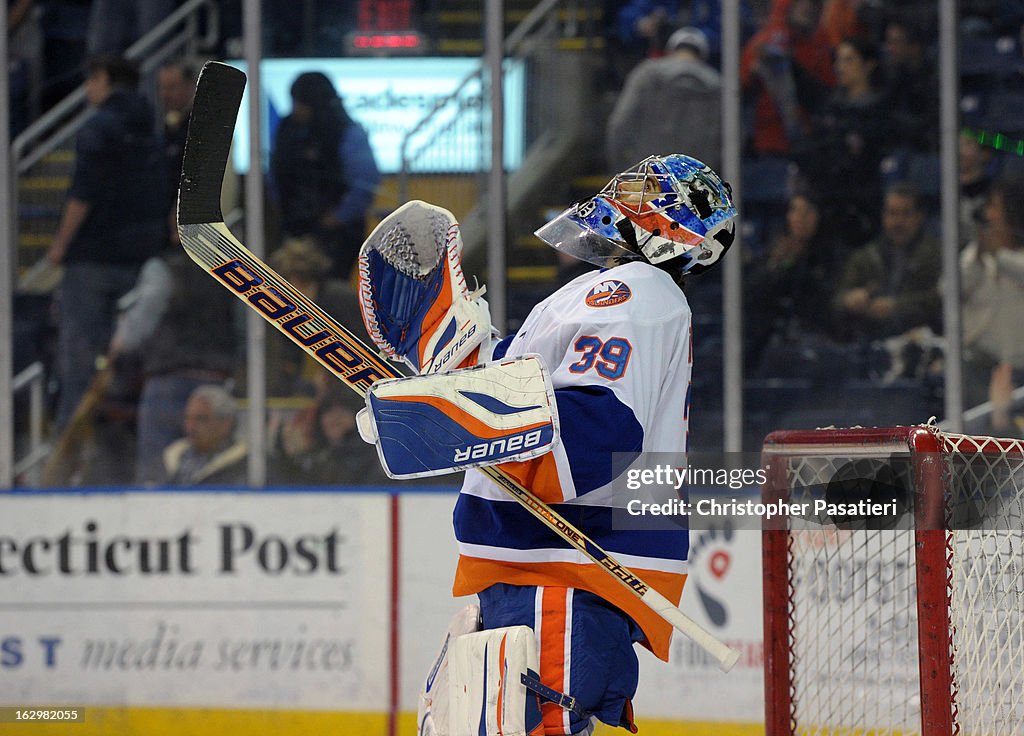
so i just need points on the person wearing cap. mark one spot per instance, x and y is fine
(686, 90)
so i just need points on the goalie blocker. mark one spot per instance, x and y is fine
(443, 423)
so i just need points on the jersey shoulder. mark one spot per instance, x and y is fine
(634, 291)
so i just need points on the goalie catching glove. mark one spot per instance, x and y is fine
(485, 415)
(413, 295)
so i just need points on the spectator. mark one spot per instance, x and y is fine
(176, 86)
(786, 70)
(24, 63)
(114, 25)
(975, 184)
(706, 16)
(63, 24)
(323, 171)
(788, 292)
(290, 372)
(113, 220)
(320, 445)
(167, 324)
(841, 19)
(842, 157)
(992, 290)
(890, 285)
(208, 454)
(644, 25)
(691, 115)
(912, 88)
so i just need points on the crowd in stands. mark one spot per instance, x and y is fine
(150, 368)
(840, 248)
(841, 174)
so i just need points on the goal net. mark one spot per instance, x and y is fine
(908, 625)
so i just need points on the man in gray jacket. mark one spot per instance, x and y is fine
(669, 104)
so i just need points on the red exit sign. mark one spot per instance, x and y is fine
(384, 15)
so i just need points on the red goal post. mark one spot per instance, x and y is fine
(917, 629)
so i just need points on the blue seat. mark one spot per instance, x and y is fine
(925, 171)
(1006, 111)
(987, 58)
(766, 180)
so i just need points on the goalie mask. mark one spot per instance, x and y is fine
(671, 211)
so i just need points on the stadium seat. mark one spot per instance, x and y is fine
(1006, 111)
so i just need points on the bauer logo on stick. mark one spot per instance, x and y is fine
(298, 323)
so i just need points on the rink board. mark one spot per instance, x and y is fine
(269, 611)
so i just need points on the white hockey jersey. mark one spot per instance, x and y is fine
(618, 344)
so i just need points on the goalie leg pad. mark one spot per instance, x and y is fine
(487, 696)
(485, 415)
(432, 712)
(586, 651)
(412, 292)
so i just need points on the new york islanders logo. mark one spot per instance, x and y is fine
(608, 294)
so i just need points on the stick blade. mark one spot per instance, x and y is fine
(218, 97)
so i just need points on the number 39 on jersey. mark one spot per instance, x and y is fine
(610, 358)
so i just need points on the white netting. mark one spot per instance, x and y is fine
(853, 616)
(985, 488)
(854, 623)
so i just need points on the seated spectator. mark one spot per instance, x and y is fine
(691, 115)
(208, 454)
(890, 285)
(786, 71)
(975, 184)
(841, 159)
(320, 446)
(323, 172)
(992, 292)
(911, 86)
(290, 372)
(788, 293)
(177, 352)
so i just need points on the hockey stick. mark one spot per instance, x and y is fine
(210, 244)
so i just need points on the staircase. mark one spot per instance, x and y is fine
(535, 270)
(43, 154)
(41, 193)
(558, 43)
